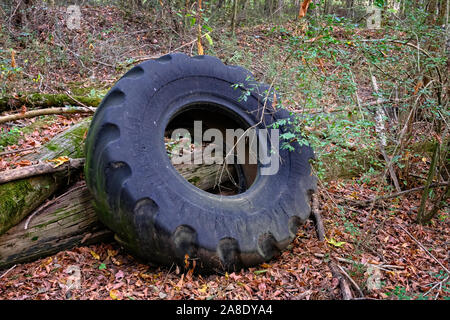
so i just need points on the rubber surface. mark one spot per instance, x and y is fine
(156, 213)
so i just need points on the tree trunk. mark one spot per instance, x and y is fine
(233, 17)
(431, 10)
(350, 9)
(443, 13)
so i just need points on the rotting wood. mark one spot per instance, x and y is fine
(66, 223)
(19, 198)
(317, 218)
(343, 284)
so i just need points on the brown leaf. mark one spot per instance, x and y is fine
(303, 8)
(13, 59)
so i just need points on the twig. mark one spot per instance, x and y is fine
(319, 255)
(345, 288)
(439, 283)
(424, 249)
(42, 112)
(422, 51)
(8, 271)
(92, 109)
(355, 285)
(16, 151)
(38, 169)
(397, 194)
(142, 58)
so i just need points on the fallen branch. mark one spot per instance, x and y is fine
(345, 288)
(39, 169)
(46, 100)
(424, 249)
(394, 195)
(317, 218)
(4, 153)
(48, 111)
(355, 285)
(383, 266)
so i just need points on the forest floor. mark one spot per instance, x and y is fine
(378, 245)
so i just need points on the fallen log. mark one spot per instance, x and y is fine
(29, 230)
(19, 198)
(45, 100)
(68, 221)
(40, 169)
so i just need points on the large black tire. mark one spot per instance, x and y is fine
(156, 213)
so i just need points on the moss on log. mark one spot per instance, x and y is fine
(21, 197)
(68, 143)
(46, 100)
(68, 222)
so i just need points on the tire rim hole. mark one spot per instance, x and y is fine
(196, 142)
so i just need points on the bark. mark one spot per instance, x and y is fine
(43, 100)
(317, 218)
(344, 286)
(21, 197)
(380, 128)
(431, 9)
(425, 194)
(233, 17)
(67, 222)
(40, 169)
(442, 20)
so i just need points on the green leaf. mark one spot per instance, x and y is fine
(102, 266)
(208, 37)
(335, 243)
(260, 271)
